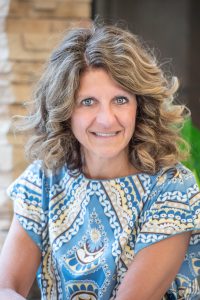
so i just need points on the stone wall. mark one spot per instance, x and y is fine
(28, 31)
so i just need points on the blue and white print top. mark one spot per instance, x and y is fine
(90, 230)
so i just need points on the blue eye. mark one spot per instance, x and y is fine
(87, 102)
(121, 100)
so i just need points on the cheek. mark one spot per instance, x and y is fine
(78, 123)
(130, 120)
(74, 124)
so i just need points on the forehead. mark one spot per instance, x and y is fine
(98, 80)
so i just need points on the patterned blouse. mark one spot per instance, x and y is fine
(90, 230)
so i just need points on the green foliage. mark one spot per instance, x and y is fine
(192, 135)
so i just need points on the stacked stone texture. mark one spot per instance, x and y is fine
(29, 29)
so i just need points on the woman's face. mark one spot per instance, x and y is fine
(103, 120)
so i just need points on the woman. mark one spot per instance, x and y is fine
(105, 210)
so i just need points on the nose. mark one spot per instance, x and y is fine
(106, 116)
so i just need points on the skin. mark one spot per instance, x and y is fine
(103, 121)
(19, 261)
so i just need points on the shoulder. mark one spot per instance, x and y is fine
(176, 176)
(30, 177)
(37, 172)
(33, 173)
(172, 186)
(35, 177)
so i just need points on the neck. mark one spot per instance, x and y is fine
(108, 169)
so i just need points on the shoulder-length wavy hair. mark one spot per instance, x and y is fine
(156, 140)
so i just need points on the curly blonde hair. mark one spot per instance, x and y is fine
(156, 140)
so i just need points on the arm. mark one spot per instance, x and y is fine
(19, 261)
(153, 269)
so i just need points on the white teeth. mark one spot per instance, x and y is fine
(105, 134)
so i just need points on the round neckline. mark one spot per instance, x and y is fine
(83, 176)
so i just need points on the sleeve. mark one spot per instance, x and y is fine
(173, 207)
(27, 192)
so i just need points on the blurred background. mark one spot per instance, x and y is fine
(29, 29)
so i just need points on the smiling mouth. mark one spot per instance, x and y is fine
(106, 134)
